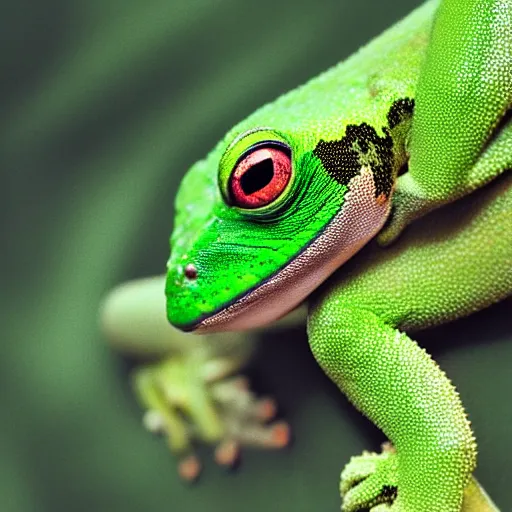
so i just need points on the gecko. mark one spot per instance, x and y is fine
(371, 202)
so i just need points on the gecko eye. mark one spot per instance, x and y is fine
(260, 176)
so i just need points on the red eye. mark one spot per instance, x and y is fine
(260, 177)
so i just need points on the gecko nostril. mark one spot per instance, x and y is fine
(191, 271)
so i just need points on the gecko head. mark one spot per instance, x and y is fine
(260, 223)
(280, 203)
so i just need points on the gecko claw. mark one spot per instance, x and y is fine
(189, 468)
(266, 409)
(281, 435)
(227, 454)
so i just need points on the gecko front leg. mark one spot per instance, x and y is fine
(190, 388)
(461, 131)
(402, 390)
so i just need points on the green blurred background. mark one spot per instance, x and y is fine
(104, 105)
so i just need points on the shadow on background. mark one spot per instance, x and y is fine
(105, 104)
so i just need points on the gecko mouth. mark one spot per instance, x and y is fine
(361, 217)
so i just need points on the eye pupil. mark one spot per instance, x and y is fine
(257, 177)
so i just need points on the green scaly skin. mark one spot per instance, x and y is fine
(357, 91)
(464, 90)
(356, 330)
(416, 120)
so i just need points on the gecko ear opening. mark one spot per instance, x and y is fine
(404, 169)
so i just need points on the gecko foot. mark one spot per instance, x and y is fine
(187, 406)
(368, 481)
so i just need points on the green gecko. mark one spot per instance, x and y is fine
(412, 131)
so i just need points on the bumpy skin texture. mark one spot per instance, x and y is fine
(348, 133)
(357, 113)
(464, 90)
(452, 264)
(444, 269)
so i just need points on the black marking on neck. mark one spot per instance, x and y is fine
(362, 146)
(400, 111)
